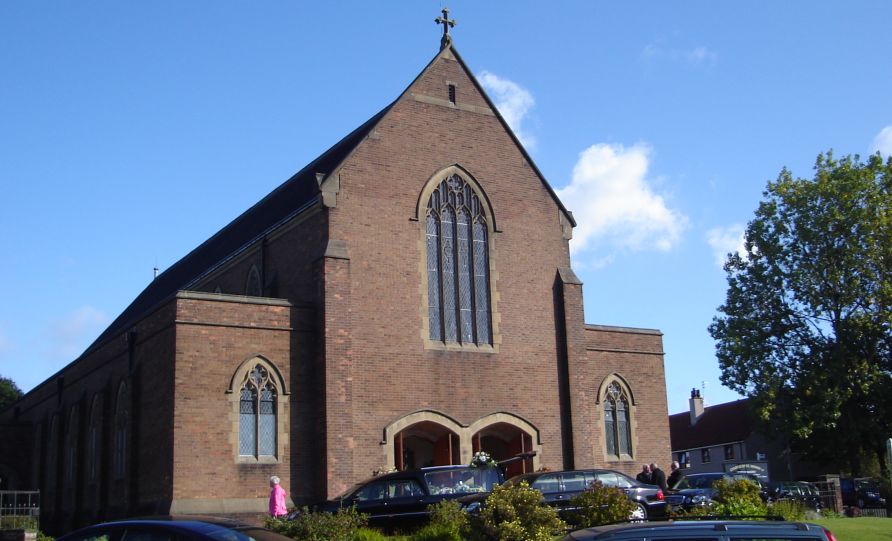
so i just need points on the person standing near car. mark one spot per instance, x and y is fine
(277, 506)
(658, 477)
(675, 475)
(644, 475)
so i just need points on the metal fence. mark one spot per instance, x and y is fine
(19, 510)
(829, 499)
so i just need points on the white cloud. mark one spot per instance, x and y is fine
(725, 240)
(883, 142)
(693, 57)
(67, 338)
(513, 102)
(614, 204)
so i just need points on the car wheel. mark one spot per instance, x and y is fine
(639, 513)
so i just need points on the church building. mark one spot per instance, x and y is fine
(404, 300)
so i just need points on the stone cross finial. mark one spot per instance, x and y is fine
(446, 40)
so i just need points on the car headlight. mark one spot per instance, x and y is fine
(699, 498)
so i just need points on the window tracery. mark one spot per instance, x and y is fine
(457, 264)
(617, 422)
(257, 414)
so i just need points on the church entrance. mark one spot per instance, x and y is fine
(425, 444)
(503, 441)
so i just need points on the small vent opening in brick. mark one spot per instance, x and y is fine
(452, 94)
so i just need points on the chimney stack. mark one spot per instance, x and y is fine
(696, 406)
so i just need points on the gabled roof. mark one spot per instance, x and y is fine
(281, 205)
(291, 198)
(720, 424)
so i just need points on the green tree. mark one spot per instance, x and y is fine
(806, 328)
(9, 392)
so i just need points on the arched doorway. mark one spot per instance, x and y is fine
(503, 441)
(423, 444)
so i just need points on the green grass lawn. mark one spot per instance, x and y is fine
(858, 529)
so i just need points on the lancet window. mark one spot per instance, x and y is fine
(617, 425)
(257, 414)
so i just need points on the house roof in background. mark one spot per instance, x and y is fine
(720, 424)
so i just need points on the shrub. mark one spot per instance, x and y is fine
(368, 534)
(738, 498)
(448, 515)
(310, 526)
(698, 511)
(437, 532)
(788, 509)
(830, 513)
(599, 505)
(516, 513)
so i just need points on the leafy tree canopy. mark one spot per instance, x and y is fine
(9, 392)
(806, 328)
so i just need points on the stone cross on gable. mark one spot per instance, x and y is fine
(446, 40)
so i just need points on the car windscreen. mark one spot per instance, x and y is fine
(462, 480)
(697, 481)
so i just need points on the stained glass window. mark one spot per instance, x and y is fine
(617, 425)
(457, 265)
(257, 414)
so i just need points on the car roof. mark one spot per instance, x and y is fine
(706, 529)
(536, 474)
(417, 473)
(196, 524)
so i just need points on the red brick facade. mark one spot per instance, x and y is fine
(339, 323)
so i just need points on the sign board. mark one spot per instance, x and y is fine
(756, 468)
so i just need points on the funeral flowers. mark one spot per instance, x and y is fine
(482, 459)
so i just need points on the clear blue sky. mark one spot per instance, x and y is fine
(132, 131)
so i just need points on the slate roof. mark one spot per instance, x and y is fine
(281, 205)
(720, 424)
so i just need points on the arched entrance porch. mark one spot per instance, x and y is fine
(503, 441)
(426, 443)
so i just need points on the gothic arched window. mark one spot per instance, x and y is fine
(617, 424)
(252, 284)
(257, 414)
(457, 264)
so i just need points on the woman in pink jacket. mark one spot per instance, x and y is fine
(276, 498)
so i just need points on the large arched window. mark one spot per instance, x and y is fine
(457, 264)
(617, 424)
(257, 414)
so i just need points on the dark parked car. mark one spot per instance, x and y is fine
(712, 530)
(172, 529)
(559, 487)
(798, 491)
(399, 500)
(696, 489)
(862, 493)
